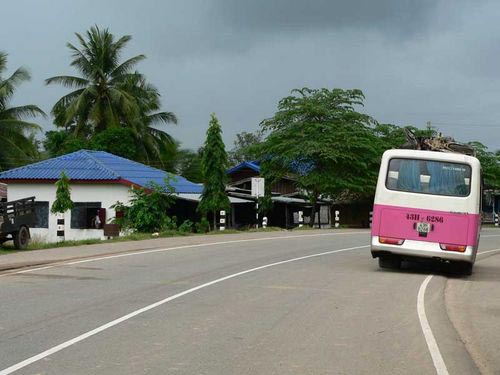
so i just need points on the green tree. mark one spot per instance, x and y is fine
(214, 165)
(188, 164)
(490, 165)
(118, 141)
(99, 100)
(17, 143)
(147, 210)
(319, 139)
(61, 142)
(245, 147)
(63, 200)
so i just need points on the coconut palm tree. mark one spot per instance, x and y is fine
(17, 143)
(154, 144)
(99, 100)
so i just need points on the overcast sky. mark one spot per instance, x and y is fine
(416, 61)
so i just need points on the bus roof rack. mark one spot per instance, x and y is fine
(436, 143)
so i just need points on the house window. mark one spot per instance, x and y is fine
(42, 214)
(83, 215)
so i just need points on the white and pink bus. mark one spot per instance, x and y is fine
(427, 205)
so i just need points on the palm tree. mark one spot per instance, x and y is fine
(99, 100)
(155, 145)
(17, 142)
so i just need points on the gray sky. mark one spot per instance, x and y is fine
(416, 61)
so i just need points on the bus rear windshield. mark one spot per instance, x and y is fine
(429, 177)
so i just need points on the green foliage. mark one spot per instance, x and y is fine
(188, 164)
(186, 226)
(61, 142)
(118, 141)
(147, 211)
(319, 139)
(214, 164)
(18, 145)
(109, 93)
(63, 200)
(490, 165)
(203, 226)
(245, 147)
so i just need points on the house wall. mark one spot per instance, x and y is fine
(107, 194)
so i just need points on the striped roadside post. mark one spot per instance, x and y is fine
(337, 218)
(264, 222)
(60, 228)
(222, 220)
(371, 218)
(496, 219)
(301, 219)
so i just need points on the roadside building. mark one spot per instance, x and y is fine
(288, 202)
(98, 180)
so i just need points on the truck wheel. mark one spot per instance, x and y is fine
(22, 238)
(389, 262)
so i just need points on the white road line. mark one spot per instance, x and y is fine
(490, 235)
(489, 251)
(141, 252)
(57, 348)
(437, 358)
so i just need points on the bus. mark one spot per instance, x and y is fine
(427, 206)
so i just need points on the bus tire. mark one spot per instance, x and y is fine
(463, 268)
(389, 262)
(22, 238)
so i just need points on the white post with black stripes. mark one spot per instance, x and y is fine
(371, 218)
(60, 227)
(222, 220)
(337, 218)
(496, 219)
(264, 222)
(301, 219)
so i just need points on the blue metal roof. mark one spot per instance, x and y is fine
(86, 165)
(253, 165)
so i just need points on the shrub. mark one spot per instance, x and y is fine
(186, 226)
(203, 226)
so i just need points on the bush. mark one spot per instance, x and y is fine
(186, 226)
(203, 226)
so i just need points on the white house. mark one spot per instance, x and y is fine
(98, 180)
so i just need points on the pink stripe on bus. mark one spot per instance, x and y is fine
(446, 227)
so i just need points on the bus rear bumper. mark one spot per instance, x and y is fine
(412, 249)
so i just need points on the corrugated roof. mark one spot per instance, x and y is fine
(253, 165)
(86, 165)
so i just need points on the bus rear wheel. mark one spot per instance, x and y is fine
(463, 268)
(389, 262)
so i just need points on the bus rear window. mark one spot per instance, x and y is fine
(429, 177)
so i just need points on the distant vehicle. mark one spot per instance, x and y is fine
(427, 205)
(16, 218)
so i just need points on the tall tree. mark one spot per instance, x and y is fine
(318, 137)
(109, 93)
(245, 147)
(214, 165)
(17, 144)
(490, 165)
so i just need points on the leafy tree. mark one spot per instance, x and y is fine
(118, 141)
(188, 164)
(63, 200)
(245, 147)
(61, 142)
(391, 136)
(147, 210)
(490, 165)
(214, 165)
(108, 93)
(17, 143)
(99, 100)
(319, 138)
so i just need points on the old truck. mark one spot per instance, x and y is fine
(16, 218)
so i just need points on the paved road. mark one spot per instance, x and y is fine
(311, 303)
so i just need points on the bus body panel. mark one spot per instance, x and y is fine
(452, 220)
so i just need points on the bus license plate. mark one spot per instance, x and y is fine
(423, 227)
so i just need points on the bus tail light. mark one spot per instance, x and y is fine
(459, 248)
(391, 241)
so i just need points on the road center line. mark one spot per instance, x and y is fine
(437, 358)
(141, 252)
(57, 348)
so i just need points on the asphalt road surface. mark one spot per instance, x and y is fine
(300, 303)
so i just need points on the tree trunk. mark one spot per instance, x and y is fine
(215, 219)
(313, 210)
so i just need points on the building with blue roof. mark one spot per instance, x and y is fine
(98, 180)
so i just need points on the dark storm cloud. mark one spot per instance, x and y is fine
(402, 16)
(416, 61)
